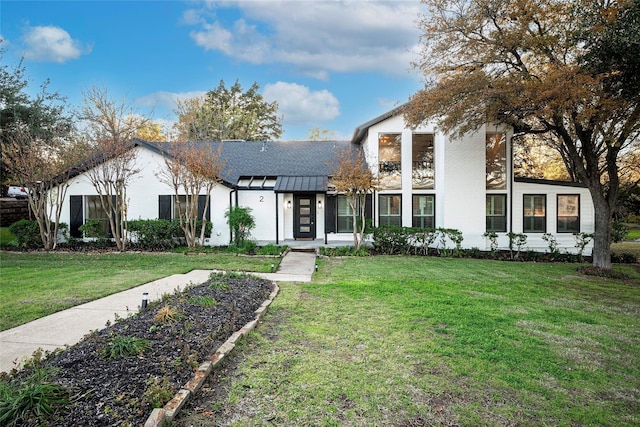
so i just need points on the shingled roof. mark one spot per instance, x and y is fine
(275, 158)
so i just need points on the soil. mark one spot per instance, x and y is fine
(182, 331)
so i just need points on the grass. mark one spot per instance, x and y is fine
(33, 285)
(426, 341)
(6, 238)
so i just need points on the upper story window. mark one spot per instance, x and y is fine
(496, 157)
(389, 158)
(423, 167)
(568, 213)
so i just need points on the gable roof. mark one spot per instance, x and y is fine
(361, 131)
(274, 158)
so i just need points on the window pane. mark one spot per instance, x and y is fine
(568, 213)
(423, 211)
(345, 215)
(535, 219)
(390, 210)
(94, 212)
(496, 158)
(389, 156)
(423, 162)
(496, 212)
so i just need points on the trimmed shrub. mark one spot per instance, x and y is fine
(27, 233)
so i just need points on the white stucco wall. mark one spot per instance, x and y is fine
(566, 241)
(144, 189)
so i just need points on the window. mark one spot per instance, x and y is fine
(496, 158)
(168, 208)
(390, 210)
(422, 173)
(94, 212)
(345, 215)
(568, 213)
(389, 157)
(496, 214)
(535, 213)
(424, 211)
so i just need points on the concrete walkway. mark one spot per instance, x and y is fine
(67, 327)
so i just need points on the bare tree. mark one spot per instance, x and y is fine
(43, 166)
(352, 177)
(111, 125)
(192, 169)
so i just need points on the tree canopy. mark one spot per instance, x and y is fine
(42, 116)
(229, 113)
(531, 65)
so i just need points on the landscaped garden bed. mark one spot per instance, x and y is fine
(116, 376)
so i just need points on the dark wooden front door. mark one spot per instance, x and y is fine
(304, 221)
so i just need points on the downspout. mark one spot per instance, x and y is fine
(511, 186)
(277, 222)
(230, 206)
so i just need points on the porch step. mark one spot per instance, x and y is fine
(303, 249)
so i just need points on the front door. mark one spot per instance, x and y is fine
(304, 221)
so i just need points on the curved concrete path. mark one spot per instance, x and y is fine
(67, 327)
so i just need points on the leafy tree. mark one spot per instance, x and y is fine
(191, 170)
(44, 166)
(317, 134)
(519, 62)
(150, 131)
(110, 126)
(352, 177)
(43, 115)
(229, 113)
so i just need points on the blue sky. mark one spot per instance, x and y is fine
(329, 64)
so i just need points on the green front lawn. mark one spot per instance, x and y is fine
(408, 341)
(33, 285)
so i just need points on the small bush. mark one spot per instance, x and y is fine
(602, 272)
(30, 400)
(271, 249)
(156, 234)
(94, 228)
(241, 222)
(623, 258)
(167, 314)
(27, 233)
(159, 392)
(344, 251)
(202, 301)
(123, 346)
(619, 232)
(247, 247)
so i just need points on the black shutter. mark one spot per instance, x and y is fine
(202, 203)
(76, 218)
(368, 207)
(330, 214)
(164, 207)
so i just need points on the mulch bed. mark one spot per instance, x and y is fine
(182, 330)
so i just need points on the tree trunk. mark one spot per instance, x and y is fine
(602, 232)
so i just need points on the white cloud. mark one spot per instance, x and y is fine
(51, 44)
(315, 36)
(301, 106)
(166, 99)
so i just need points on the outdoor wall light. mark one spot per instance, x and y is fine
(319, 204)
(288, 204)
